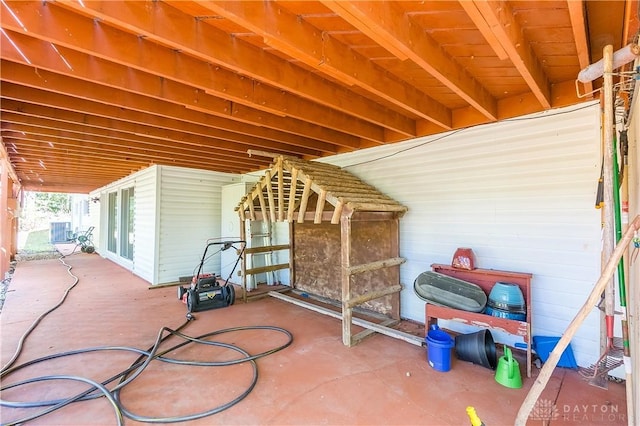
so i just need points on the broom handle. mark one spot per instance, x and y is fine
(554, 356)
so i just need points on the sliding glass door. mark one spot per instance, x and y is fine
(120, 223)
(112, 231)
(126, 219)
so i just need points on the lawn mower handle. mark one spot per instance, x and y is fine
(226, 245)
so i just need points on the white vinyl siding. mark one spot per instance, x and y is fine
(190, 213)
(176, 210)
(520, 193)
(230, 228)
(144, 185)
(94, 218)
(145, 221)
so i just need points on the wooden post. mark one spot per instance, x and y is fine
(280, 191)
(292, 265)
(347, 311)
(395, 251)
(243, 264)
(608, 227)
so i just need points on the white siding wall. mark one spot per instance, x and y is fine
(189, 214)
(521, 193)
(230, 228)
(94, 219)
(145, 245)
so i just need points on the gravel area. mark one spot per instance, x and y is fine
(4, 284)
(22, 256)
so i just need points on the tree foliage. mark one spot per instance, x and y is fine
(53, 202)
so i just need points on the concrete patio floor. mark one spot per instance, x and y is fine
(315, 380)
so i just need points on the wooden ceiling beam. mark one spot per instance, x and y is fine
(148, 135)
(51, 165)
(142, 78)
(36, 148)
(577, 15)
(78, 163)
(98, 54)
(300, 40)
(499, 16)
(67, 143)
(80, 169)
(54, 138)
(90, 176)
(57, 161)
(66, 183)
(24, 149)
(116, 142)
(485, 29)
(386, 24)
(631, 22)
(22, 74)
(165, 24)
(71, 187)
(372, 28)
(183, 120)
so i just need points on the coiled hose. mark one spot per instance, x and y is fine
(98, 390)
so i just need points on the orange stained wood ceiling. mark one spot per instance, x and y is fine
(93, 91)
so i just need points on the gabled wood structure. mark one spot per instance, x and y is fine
(344, 236)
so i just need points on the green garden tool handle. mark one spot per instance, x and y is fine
(618, 222)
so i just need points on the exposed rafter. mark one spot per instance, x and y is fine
(398, 32)
(92, 91)
(206, 44)
(510, 35)
(578, 26)
(286, 33)
(106, 55)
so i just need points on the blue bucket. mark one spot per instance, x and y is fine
(439, 345)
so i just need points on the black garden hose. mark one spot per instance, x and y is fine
(97, 390)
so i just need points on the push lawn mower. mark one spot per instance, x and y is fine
(205, 293)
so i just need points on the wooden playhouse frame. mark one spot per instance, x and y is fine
(344, 241)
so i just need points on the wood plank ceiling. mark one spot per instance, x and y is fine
(93, 91)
